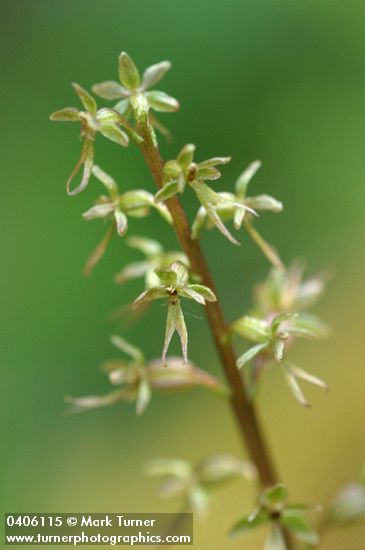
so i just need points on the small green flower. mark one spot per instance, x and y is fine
(276, 320)
(348, 505)
(273, 510)
(174, 283)
(267, 335)
(183, 170)
(137, 378)
(288, 291)
(133, 91)
(118, 207)
(272, 338)
(93, 120)
(155, 258)
(242, 216)
(196, 484)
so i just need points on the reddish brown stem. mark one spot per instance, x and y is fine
(243, 409)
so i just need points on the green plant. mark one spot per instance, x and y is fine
(279, 315)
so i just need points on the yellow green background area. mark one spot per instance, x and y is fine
(281, 81)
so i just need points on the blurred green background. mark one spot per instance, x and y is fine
(281, 81)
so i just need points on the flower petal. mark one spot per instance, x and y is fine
(68, 114)
(109, 183)
(136, 199)
(171, 467)
(148, 296)
(186, 156)
(308, 377)
(94, 401)
(171, 170)
(167, 277)
(167, 191)
(199, 500)
(245, 178)
(215, 219)
(295, 387)
(161, 102)
(210, 199)
(281, 318)
(252, 329)
(121, 221)
(110, 90)
(128, 72)
(250, 354)
(112, 132)
(275, 539)
(224, 467)
(127, 348)
(192, 295)
(148, 247)
(296, 522)
(214, 161)
(86, 99)
(122, 107)
(131, 271)
(86, 159)
(208, 173)
(238, 217)
(247, 523)
(182, 273)
(143, 396)
(98, 211)
(163, 211)
(264, 202)
(278, 347)
(154, 74)
(204, 291)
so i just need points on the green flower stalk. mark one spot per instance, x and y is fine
(174, 283)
